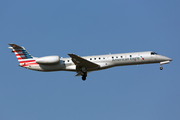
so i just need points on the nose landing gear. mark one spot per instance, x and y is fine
(161, 68)
(164, 62)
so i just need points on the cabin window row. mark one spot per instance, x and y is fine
(105, 58)
(108, 57)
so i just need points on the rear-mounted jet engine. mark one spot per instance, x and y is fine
(48, 60)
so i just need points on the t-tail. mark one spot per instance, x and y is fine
(23, 56)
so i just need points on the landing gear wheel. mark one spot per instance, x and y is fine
(83, 78)
(161, 68)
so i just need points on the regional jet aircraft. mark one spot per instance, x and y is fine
(83, 65)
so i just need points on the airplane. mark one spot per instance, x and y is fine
(86, 64)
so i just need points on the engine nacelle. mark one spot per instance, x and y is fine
(48, 60)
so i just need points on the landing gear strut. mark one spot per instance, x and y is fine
(84, 73)
(161, 68)
(165, 62)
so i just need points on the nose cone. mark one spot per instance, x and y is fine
(164, 58)
(168, 59)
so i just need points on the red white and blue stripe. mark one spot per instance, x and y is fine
(24, 58)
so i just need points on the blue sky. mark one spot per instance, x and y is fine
(90, 28)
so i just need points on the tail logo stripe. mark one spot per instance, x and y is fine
(21, 58)
(27, 64)
(26, 61)
(17, 51)
(19, 54)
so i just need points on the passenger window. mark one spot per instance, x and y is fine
(121, 56)
(116, 56)
(90, 58)
(103, 57)
(112, 57)
(99, 58)
(67, 60)
(94, 58)
(130, 55)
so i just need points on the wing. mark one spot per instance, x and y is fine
(81, 62)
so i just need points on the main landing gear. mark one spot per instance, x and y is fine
(84, 73)
(84, 76)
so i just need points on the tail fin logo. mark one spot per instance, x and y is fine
(23, 56)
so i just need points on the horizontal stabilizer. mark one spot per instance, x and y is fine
(14, 46)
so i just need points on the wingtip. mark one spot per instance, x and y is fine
(70, 54)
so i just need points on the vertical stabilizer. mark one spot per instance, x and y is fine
(23, 56)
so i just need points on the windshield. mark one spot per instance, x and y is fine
(153, 53)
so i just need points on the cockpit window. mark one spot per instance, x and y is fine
(153, 53)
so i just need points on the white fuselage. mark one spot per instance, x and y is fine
(83, 65)
(105, 61)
